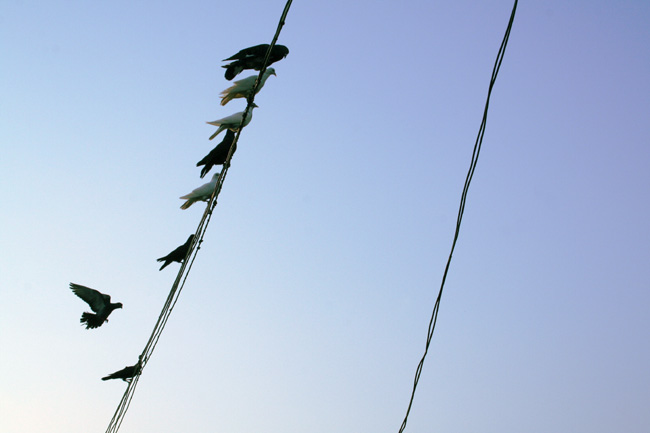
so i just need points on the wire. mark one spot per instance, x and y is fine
(461, 210)
(186, 265)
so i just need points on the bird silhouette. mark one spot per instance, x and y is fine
(202, 193)
(253, 58)
(98, 302)
(178, 255)
(127, 373)
(243, 87)
(218, 155)
(232, 122)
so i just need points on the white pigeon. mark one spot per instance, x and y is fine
(232, 122)
(202, 193)
(242, 88)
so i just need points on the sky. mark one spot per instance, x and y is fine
(307, 307)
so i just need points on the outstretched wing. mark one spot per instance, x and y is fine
(96, 300)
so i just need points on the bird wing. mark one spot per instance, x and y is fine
(203, 190)
(229, 120)
(188, 242)
(96, 300)
(245, 84)
(278, 52)
(179, 253)
(257, 50)
(217, 155)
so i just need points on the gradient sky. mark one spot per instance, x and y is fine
(306, 310)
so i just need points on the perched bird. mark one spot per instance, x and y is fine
(127, 373)
(178, 254)
(99, 303)
(232, 122)
(202, 193)
(253, 58)
(218, 155)
(243, 88)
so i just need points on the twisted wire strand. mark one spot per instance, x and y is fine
(463, 200)
(186, 265)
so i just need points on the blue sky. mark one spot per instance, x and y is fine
(308, 304)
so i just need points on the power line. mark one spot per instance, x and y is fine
(461, 209)
(186, 265)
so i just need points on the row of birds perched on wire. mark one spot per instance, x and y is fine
(249, 58)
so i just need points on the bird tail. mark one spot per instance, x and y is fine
(91, 320)
(227, 98)
(205, 170)
(186, 205)
(221, 128)
(163, 259)
(232, 70)
(110, 376)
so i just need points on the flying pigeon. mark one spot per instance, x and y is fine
(242, 88)
(127, 373)
(202, 193)
(99, 303)
(218, 155)
(178, 254)
(253, 58)
(232, 122)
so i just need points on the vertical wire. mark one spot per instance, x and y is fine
(470, 174)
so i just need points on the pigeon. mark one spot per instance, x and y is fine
(127, 373)
(232, 122)
(99, 303)
(178, 255)
(253, 58)
(242, 88)
(218, 155)
(202, 193)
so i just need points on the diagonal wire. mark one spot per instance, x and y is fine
(186, 265)
(461, 210)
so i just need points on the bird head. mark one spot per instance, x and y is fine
(282, 50)
(271, 71)
(118, 305)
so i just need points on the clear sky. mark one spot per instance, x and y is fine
(307, 307)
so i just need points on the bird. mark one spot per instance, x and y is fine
(243, 87)
(218, 155)
(202, 193)
(232, 122)
(99, 303)
(178, 255)
(127, 373)
(253, 58)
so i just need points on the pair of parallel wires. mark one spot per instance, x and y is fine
(461, 209)
(186, 265)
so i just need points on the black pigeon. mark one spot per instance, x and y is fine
(127, 373)
(178, 254)
(218, 155)
(253, 58)
(99, 303)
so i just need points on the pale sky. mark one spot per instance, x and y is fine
(307, 308)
